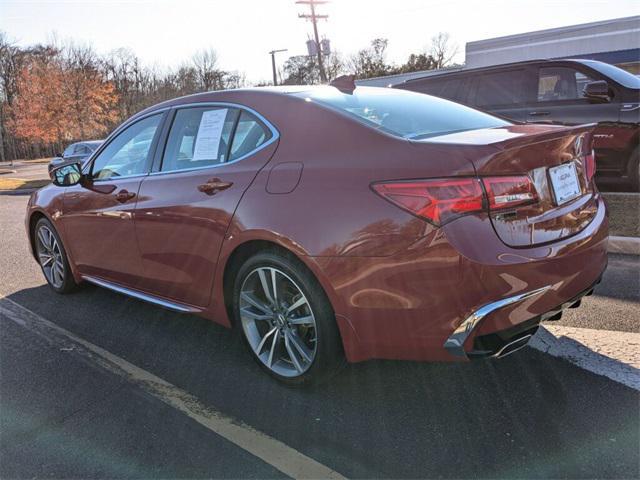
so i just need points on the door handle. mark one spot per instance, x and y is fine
(124, 196)
(538, 114)
(214, 185)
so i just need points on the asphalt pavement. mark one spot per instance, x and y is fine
(64, 413)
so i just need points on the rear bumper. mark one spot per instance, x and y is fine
(457, 284)
(504, 342)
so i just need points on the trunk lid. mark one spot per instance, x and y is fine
(555, 161)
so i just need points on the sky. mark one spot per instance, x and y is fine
(166, 33)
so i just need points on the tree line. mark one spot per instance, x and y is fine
(57, 93)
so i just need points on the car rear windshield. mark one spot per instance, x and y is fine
(403, 113)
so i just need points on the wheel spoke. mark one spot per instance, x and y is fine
(253, 301)
(42, 238)
(45, 259)
(274, 273)
(264, 340)
(297, 304)
(273, 349)
(298, 346)
(57, 274)
(245, 312)
(49, 237)
(292, 355)
(306, 320)
(265, 285)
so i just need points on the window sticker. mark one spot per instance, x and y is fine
(209, 135)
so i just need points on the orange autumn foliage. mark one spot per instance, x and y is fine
(57, 104)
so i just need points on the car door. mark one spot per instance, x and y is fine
(503, 92)
(211, 156)
(560, 101)
(98, 213)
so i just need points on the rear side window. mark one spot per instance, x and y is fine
(561, 83)
(249, 135)
(499, 88)
(401, 112)
(199, 137)
(443, 88)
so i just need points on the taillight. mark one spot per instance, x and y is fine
(590, 165)
(443, 199)
(508, 192)
(437, 200)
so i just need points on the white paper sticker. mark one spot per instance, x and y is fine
(209, 134)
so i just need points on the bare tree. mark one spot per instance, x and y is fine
(208, 75)
(442, 50)
(371, 61)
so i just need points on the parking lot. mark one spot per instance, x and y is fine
(99, 385)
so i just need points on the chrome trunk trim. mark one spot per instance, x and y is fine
(176, 307)
(455, 343)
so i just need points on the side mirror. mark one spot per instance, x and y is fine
(58, 155)
(66, 175)
(598, 90)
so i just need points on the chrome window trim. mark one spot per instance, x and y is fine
(275, 135)
(178, 307)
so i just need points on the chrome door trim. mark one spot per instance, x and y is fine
(455, 343)
(177, 307)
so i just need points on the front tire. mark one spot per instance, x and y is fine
(286, 319)
(52, 257)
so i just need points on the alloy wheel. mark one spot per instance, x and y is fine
(278, 322)
(50, 256)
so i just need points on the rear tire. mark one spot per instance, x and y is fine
(290, 330)
(52, 257)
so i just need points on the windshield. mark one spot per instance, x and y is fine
(406, 114)
(616, 74)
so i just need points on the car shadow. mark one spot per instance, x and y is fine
(527, 415)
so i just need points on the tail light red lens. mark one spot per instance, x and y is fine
(437, 200)
(443, 199)
(509, 192)
(590, 165)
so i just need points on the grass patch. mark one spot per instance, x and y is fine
(624, 214)
(19, 183)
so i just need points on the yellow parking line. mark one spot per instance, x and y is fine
(282, 457)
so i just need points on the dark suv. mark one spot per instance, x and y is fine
(566, 92)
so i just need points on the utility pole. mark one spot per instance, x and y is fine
(314, 17)
(273, 64)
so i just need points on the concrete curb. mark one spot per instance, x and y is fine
(626, 245)
(607, 353)
(21, 191)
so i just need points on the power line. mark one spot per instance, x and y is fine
(314, 17)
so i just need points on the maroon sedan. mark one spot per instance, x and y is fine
(332, 222)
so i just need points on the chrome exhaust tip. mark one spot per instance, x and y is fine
(513, 346)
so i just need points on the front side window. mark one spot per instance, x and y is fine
(199, 137)
(500, 88)
(128, 153)
(403, 113)
(561, 83)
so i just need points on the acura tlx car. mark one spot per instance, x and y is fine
(333, 222)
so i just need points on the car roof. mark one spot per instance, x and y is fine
(490, 68)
